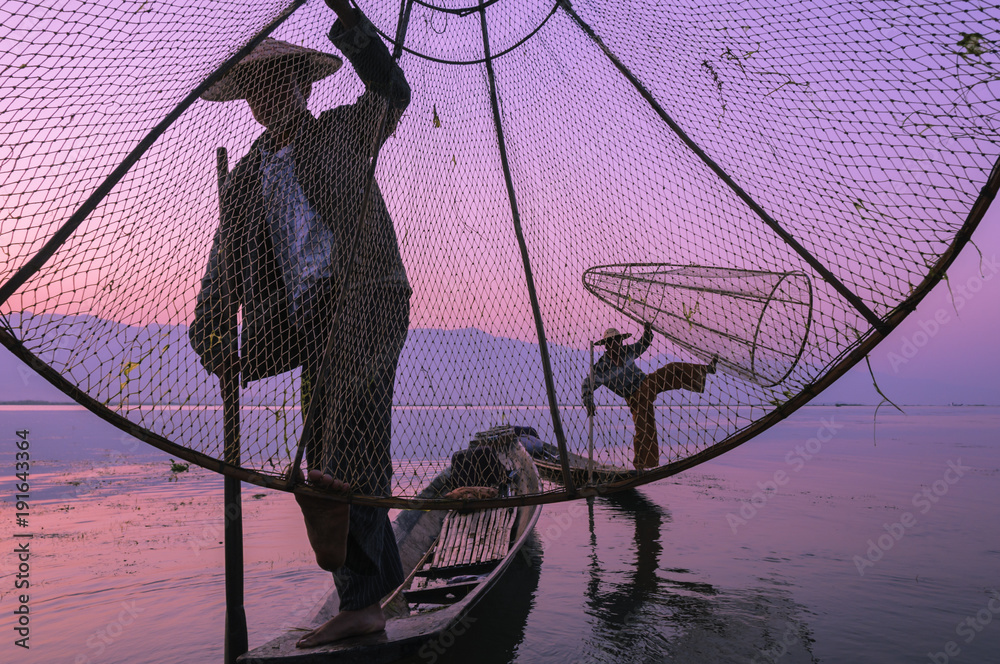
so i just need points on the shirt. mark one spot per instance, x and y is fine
(305, 247)
(622, 379)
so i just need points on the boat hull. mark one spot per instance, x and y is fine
(404, 636)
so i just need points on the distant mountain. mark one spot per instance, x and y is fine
(155, 364)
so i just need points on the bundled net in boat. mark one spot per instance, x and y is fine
(798, 176)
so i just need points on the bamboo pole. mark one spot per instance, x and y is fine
(590, 423)
(529, 280)
(236, 638)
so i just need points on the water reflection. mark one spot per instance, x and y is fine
(631, 608)
(644, 613)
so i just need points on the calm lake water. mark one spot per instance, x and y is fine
(835, 549)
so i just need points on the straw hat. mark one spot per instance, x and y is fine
(610, 335)
(318, 65)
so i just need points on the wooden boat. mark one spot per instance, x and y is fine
(451, 559)
(546, 456)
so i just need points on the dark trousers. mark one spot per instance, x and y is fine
(351, 434)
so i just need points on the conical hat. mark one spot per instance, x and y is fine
(611, 334)
(319, 65)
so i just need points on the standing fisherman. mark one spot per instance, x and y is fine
(617, 371)
(289, 211)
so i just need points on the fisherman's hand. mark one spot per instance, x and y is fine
(591, 410)
(344, 12)
(647, 327)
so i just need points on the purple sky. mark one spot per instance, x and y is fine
(455, 235)
(922, 361)
(961, 361)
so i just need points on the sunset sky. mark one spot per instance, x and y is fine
(842, 165)
(959, 363)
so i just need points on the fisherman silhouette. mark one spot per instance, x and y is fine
(617, 371)
(290, 209)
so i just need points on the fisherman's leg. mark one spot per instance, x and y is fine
(326, 521)
(644, 442)
(375, 333)
(373, 568)
(678, 376)
(364, 580)
(371, 571)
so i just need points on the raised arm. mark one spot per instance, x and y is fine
(642, 345)
(355, 37)
(344, 12)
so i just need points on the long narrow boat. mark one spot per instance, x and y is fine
(546, 456)
(451, 560)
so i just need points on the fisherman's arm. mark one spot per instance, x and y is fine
(642, 345)
(355, 37)
(589, 384)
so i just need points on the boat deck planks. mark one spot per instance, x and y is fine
(474, 538)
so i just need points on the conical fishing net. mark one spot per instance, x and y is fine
(405, 267)
(756, 323)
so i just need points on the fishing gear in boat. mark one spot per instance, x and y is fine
(451, 559)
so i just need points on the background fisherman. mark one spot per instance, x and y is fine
(617, 371)
(289, 212)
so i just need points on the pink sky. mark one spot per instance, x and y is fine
(454, 224)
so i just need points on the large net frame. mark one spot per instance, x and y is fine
(845, 149)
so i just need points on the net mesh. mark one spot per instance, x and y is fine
(380, 322)
(756, 323)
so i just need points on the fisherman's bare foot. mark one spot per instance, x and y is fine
(344, 625)
(327, 482)
(327, 522)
